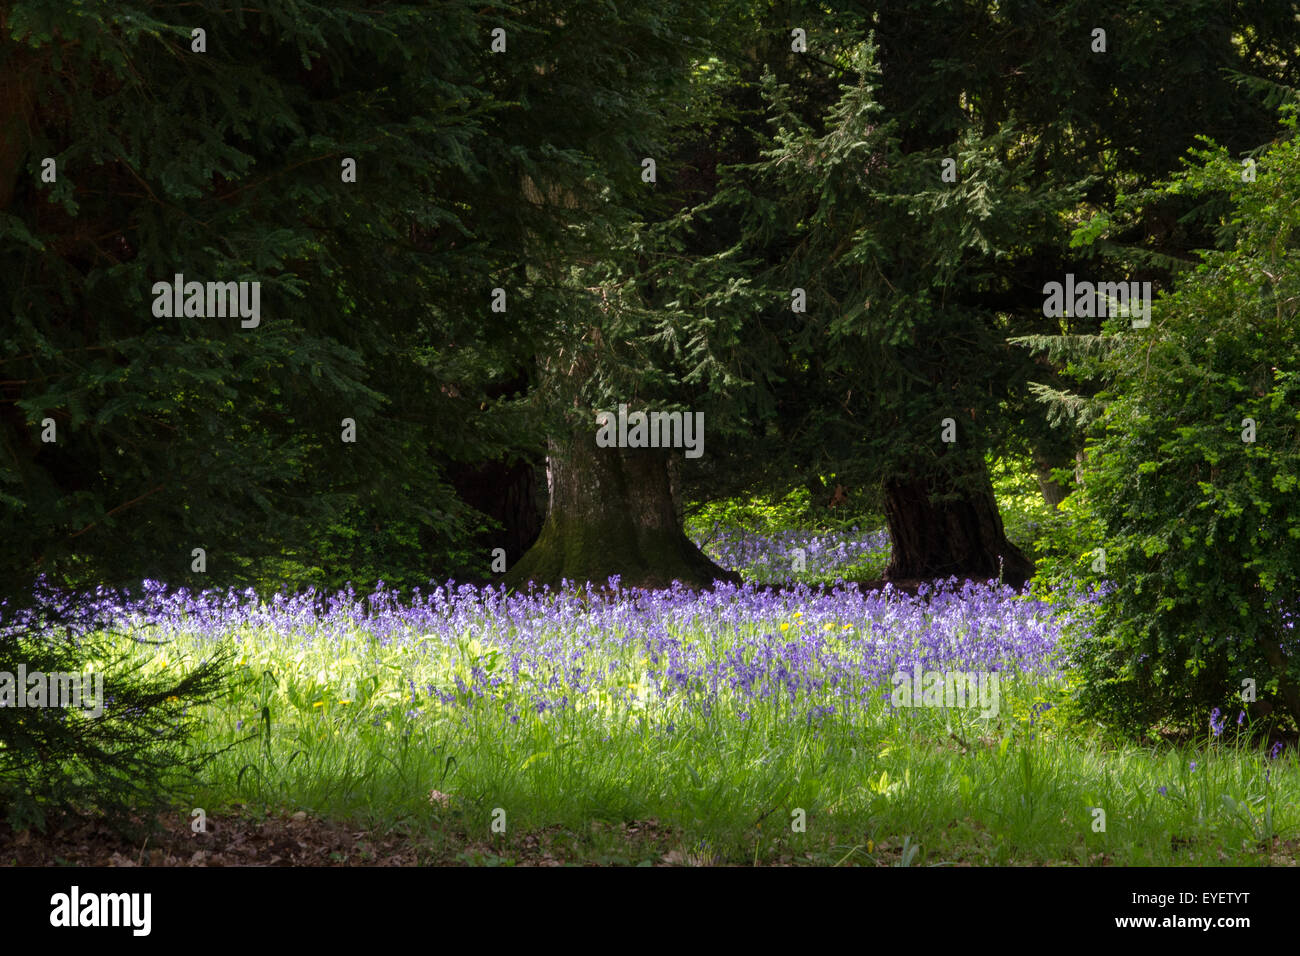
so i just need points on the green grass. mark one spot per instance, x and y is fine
(325, 728)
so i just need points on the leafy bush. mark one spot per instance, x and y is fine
(1200, 525)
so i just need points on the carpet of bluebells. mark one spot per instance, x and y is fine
(801, 653)
(708, 710)
(798, 555)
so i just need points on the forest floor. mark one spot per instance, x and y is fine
(232, 840)
(296, 839)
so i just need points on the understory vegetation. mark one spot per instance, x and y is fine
(745, 724)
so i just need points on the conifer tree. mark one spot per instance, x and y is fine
(358, 164)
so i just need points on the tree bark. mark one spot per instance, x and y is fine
(1053, 492)
(1049, 454)
(612, 513)
(939, 530)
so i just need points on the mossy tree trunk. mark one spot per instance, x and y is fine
(938, 530)
(612, 513)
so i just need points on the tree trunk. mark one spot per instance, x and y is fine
(1051, 453)
(612, 513)
(938, 530)
(1053, 492)
(1049, 458)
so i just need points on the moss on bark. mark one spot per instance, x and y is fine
(611, 513)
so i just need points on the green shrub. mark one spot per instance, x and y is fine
(1200, 527)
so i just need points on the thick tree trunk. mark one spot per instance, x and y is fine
(612, 513)
(938, 530)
